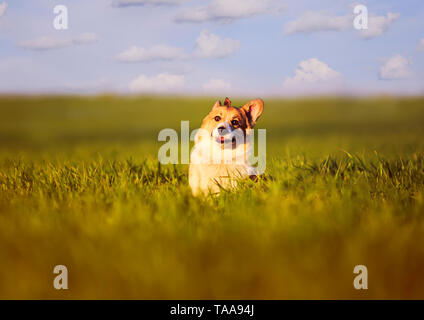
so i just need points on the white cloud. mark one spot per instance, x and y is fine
(85, 38)
(377, 25)
(163, 82)
(3, 8)
(158, 52)
(216, 85)
(229, 10)
(128, 3)
(209, 45)
(420, 46)
(48, 43)
(312, 71)
(313, 77)
(318, 21)
(396, 67)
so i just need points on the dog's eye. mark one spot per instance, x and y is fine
(217, 118)
(234, 122)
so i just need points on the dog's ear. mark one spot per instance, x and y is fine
(253, 110)
(217, 104)
(227, 102)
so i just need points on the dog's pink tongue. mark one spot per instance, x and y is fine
(222, 139)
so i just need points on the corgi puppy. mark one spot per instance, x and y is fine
(222, 147)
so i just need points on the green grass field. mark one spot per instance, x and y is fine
(80, 185)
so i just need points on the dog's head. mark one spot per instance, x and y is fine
(226, 124)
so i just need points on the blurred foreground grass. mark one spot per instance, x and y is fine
(80, 186)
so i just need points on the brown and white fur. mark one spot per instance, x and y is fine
(225, 129)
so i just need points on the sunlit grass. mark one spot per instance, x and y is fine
(80, 185)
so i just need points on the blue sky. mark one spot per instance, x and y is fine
(214, 47)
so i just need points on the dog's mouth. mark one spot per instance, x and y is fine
(233, 140)
(222, 140)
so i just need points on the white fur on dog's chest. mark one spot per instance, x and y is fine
(206, 176)
(213, 177)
